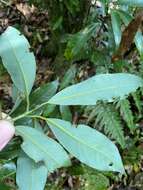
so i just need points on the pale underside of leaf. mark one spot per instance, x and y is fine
(88, 145)
(30, 175)
(42, 148)
(18, 60)
(100, 87)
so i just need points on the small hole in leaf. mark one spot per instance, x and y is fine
(111, 164)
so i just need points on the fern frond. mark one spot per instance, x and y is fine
(137, 100)
(109, 119)
(90, 113)
(125, 110)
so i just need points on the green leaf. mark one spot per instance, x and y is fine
(18, 60)
(139, 42)
(126, 18)
(138, 3)
(100, 87)
(78, 41)
(16, 97)
(88, 145)
(95, 179)
(66, 113)
(8, 169)
(49, 109)
(40, 147)
(4, 187)
(39, 96)
(43, 94)
(30, 175)
(116, 25)
(68, 77)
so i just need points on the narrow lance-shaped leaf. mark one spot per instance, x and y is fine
(30, 175)
(100, 87)
(39, 147)
(88, 145)
(116, 25)
(18, 60)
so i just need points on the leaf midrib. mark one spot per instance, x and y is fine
(74, 137)
(17, 62)
(28, 137)
(82, 94)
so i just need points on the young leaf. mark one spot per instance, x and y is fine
(42, 148)
(30, 175)
(100, 87)
(88, 145)
(18, 60)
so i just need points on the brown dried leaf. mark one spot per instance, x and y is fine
(128, 36)
(25, 9)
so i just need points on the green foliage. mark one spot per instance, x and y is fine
(137, 100)
(126, 19)
(116, 24)
(95, 179)
(78, 32)
(40, 148)
(125, 110)
(66, 113)
(68, 77)
(8, 169)
(82, 141)
(108, 119)
(100, 87)
(77, 43)
(39, 96)
(138, 3)
(4, 187)
(37, 171)
(15, 50)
